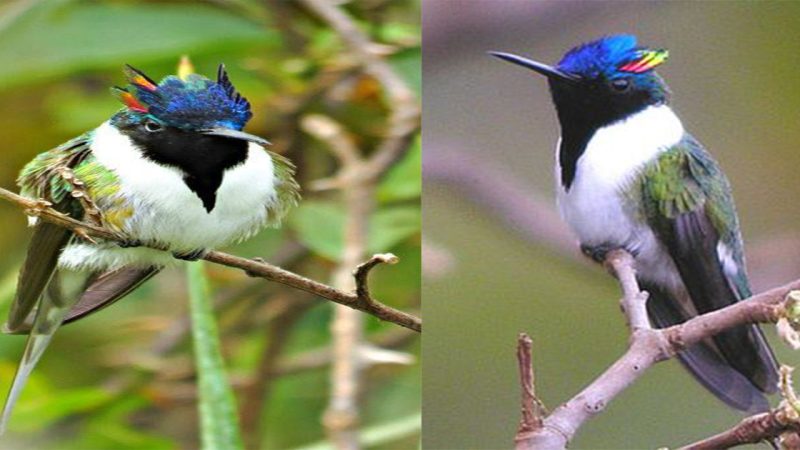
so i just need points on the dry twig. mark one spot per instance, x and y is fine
(647, 346)
(532, 409)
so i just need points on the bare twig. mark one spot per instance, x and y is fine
(750, 430)
(532, 409)
(634, 301)
(783, 421)
(647, 346)
(42, 210)
(362, 272)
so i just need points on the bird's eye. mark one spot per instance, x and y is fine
(621, 84)
(152, 126)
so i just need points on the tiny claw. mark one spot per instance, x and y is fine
(192, 255)
(130, 243)
(257, 259)
(84, 235)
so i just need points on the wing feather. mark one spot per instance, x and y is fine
(692, 213)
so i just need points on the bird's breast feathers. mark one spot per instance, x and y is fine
(595, 204)
(165, 210)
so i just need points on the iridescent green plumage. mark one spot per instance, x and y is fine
(686, 200)
(686, 179)
(43, 178)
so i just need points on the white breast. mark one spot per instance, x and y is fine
(595, 207)
(166, 210)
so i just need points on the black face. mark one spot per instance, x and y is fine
(590, 104)
(203, 158)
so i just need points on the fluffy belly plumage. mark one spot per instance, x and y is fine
(601, 205)
(167, 212)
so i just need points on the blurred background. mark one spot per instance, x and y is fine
(498, 260)
(124, 378)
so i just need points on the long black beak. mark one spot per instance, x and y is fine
(235, 134)
(544, 69)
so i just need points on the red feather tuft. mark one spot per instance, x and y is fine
(129, 100)
(139, 79)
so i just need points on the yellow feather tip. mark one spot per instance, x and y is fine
(185, 68)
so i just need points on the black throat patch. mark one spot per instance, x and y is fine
(585, 108)
(573, 143)
(203, 158)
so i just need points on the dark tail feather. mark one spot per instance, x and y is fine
(101, 291)
(708, 366)
(746, 349)
(107, 288)
(46, 245)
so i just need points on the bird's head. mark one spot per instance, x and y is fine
(184, 118)
(602, 81)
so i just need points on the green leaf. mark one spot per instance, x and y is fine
(42, 412)
(390, 226)
(43, 404)
(404, 180)
(409, 64)
(218, 418)
(55, 38)
(320, 226)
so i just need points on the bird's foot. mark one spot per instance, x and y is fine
(130, 243)
(192, 255)
(257, 259)
(598, 252)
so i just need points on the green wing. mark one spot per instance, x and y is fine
(40, 179)
(689, 206)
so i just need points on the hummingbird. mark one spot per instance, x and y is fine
(173, 170)
(629, 176)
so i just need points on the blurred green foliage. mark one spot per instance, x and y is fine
(124, 378)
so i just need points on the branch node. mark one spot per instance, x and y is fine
(788, 322)
(361, 274)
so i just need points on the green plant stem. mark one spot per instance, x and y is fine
(217, 405)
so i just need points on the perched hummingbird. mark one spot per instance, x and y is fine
(630, 176)
(171, 169)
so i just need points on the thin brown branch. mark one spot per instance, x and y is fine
(647, 346)
(751, 430)
(783, 422)
(42, 210)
